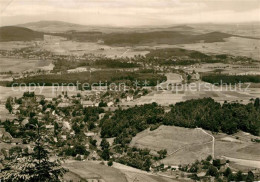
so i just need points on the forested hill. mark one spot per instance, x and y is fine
(151, 37)
(205, 113)
(12, 33)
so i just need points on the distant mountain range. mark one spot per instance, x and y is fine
(53, 26)
(181, 34)
(60, 26)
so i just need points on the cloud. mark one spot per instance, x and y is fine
(133, 12)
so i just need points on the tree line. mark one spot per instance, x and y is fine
(204, 113)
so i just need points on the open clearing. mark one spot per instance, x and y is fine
(187, 145)
(175, 140)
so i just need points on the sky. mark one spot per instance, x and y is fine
(130, 12)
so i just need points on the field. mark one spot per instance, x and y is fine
(47, 91)
(198, 90)
(187, 145)
(80, 48)
(234, 46)
(93, 171)
(252, 30)
(4, 114)
(14, 45)
(175, 140)
(20, 65)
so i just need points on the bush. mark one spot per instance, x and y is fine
(110, 163)
(213, 171)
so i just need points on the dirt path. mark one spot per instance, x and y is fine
(244, 162)
(213, 141)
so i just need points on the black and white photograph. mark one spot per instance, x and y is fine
(129, 90)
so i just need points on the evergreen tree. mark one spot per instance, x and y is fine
(35, 167)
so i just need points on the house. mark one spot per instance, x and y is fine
(109, 104)
(39, 107)
(195, 76)
(2, 131)
(129, 98)
(64, 104)
(89, 134)
(87, 103)
(39, 98)
(101, 115)
(48, 110)
(48, 99)
(16, 141)
(15, 108)
(99, 88)
(77, 70)
(50, 128)
(16, 122)
(64, 137)
(72, 133)
(5, 136)
(66, 125)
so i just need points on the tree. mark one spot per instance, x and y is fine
(104, 144)
(250, 176)
(209, 158)
(162, 153)
(231, 177)
(105, 154)
(239, 176)
(93, 142)
(217, 163)
(102, 104)
(257, 103)
(212, 171)
(110, 163)
(36, 167)
(189, 78)
(194, 168)
(227, 172)
(91, 125)
(8, 104)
